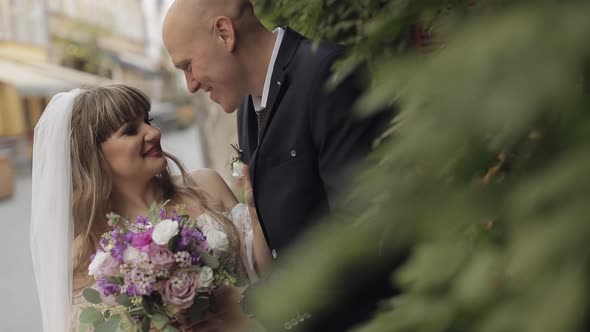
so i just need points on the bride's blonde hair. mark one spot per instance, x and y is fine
(97, 114)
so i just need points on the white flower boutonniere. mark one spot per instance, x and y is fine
(237, 165)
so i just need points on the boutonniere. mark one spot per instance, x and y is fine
(236, 163)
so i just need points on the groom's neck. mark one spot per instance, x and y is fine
(256, 50)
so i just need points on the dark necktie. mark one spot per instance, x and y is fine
(260, 118)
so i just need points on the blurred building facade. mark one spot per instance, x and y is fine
(48, 46)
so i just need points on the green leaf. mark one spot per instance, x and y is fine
(90, 315)
(84, 327)
(123, 299)
(209, 259)
(116, 280)
(153, 214)
(170, 328)
(160, 320)
(145, 324)
(112, 324)
(91, 295)
(147, 307)
(200, 305)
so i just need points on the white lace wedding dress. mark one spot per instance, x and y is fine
(239, 263)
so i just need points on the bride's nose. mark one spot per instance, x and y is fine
(153, 134)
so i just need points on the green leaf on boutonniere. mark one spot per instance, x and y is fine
(208, 259)
(159, 320)
(123, 299)
(91, 295)
(90, 315)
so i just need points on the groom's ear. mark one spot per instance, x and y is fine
(224, 32)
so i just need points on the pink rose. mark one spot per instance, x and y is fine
(161, 257)
(142, 241)
(180, 289)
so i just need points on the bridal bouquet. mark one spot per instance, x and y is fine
(151, 272)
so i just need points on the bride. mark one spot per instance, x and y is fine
(95, 151)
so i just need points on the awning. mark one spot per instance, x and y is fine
(44, 79)
(139, 63)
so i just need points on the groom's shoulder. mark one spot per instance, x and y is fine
(318, 54)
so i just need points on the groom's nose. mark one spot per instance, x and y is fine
(191, 83)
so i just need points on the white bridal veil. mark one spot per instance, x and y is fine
(51, 212)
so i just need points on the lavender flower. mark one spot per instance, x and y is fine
(107, 287)
(142, 220)
(162, 214)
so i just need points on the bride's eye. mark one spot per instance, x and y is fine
(130, 131)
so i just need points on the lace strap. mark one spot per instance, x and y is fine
(240, 217)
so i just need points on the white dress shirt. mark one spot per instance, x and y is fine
(260, 101)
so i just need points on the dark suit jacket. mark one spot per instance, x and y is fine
(309, 135)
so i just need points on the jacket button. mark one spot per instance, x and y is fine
(274, 254)
(293, 153)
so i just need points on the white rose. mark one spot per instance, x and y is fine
(205, 277)
(164, 231)
(131, 255)
(96, 263)
(238, 169)
(217, 240)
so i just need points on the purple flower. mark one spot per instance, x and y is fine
(190, 237)
(108, 288)
(195, 258)
(142, 240)
(162, 214)
(180, 289)
(175, 216)
(133, 291)
(161, 257)
(103, 244)
(118, 250)
(142, 220)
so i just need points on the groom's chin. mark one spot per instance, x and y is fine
(229, 109)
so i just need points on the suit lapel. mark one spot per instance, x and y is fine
(278, 85)
(279, 80)
(250, 128)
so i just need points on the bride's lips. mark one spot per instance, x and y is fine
(154, 151)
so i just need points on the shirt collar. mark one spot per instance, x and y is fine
(260, 102)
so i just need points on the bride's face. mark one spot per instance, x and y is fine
(134, 152)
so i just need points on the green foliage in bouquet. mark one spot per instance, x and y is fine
(483, 176)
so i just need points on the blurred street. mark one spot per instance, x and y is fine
(19, 308)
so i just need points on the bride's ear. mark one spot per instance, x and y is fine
(224, 32)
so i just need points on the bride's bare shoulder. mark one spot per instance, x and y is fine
(211, 182)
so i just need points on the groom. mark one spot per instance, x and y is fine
(297, 136)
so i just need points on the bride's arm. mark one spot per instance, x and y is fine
(210, 181)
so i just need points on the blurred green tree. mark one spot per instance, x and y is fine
(483, 174)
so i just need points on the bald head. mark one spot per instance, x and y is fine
(194, 16)
(221, 47)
